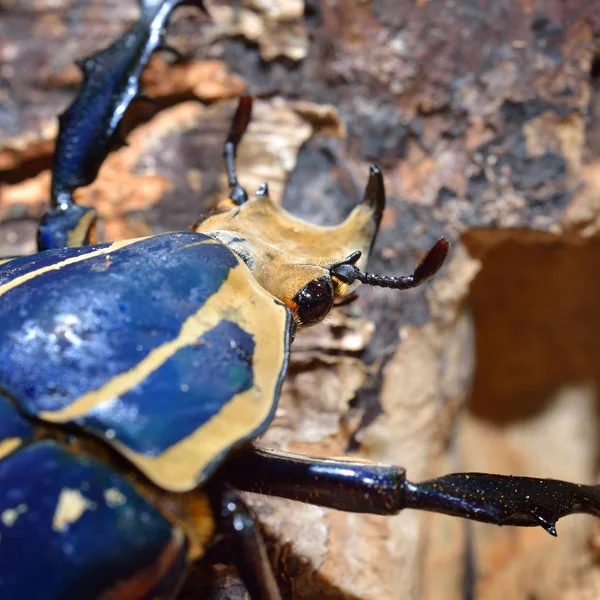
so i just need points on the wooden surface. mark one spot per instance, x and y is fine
(485, 117)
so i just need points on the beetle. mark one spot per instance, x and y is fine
(135, 375)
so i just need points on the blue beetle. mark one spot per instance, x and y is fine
(135, 375)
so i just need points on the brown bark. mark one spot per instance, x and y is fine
(485, 117)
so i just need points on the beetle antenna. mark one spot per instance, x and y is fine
(239, 124)
(428, 266)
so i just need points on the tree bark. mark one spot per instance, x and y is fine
(485, 119)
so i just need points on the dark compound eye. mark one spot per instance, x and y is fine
(314, 301)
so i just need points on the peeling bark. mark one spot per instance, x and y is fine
(485, 117)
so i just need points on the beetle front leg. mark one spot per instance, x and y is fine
(90, 128)
(66, 225)
(235, 520)
(379, 489)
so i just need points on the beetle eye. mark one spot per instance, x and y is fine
(314, 301)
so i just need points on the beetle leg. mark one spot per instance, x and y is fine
(89, 128)
(236, 520)
(66, 225)
(379, 489)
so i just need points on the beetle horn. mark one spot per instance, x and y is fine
(360, 228)
(374, 195)
(428, 266)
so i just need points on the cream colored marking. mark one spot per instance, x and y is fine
(207, 241)
(69, 261)
(239, 299)
(205, 319)
(77, 235)
(6, 260)
(114, 497)
(196, 325)
(69, 508)
(10, 515)
(9, 445)
(180, 467)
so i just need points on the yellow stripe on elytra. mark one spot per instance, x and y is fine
(17, 281)
(76, 237)
(9, 445)
(203, 320)
(241, 299)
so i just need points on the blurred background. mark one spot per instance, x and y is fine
(485, 118)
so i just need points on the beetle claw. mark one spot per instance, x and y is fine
(504, 499)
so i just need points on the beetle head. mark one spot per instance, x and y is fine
(303, 264)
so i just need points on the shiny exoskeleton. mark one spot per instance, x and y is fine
(134, 377)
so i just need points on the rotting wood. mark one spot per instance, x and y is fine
(486, 118)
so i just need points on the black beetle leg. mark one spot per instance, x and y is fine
(239, 124)
(380, 489)
(89, 128)
(235, 520)
(345, 485)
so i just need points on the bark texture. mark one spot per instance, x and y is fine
(485, 117)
